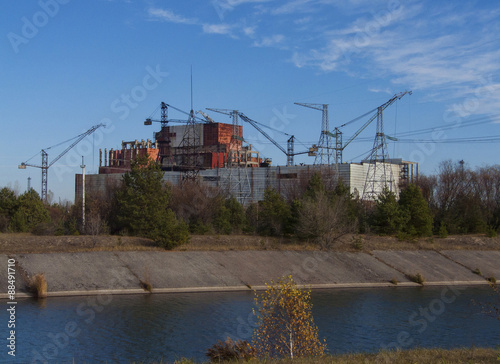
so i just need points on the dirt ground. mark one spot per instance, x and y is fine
(27, 243)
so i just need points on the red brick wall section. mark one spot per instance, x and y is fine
(219, 133)
(119, 160)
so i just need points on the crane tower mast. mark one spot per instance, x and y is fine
(45, 160)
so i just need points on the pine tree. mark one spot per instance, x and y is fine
(30, 212)
(8, 206)
(314, 188)
(388, 218)
(419, 215)
(141, 206)
(274, 214)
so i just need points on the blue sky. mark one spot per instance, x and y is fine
(67, 65)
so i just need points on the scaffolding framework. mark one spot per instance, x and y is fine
(325, 144)
(238, 182)
(190, 145)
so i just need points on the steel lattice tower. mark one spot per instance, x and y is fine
(189, 146)
(237, 181)
(379, 175)
(325, 143)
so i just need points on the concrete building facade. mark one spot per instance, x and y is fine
(249, 184)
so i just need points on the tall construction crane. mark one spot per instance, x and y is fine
(289, 152)
(45, 159)
(164, 116)
(378, 110)
(325, 144)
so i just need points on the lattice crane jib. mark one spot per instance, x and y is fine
(237, 180)
(235, 143)
(45, 174)
(45, 159)
(325, 144)
(190, 149)
(290, 151)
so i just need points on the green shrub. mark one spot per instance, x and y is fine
(4, 223)
(477, 271)
(404, 236)
(147, 286)
(490, 232)
(357, 243)
(417, 278)
(199, 228)
(443, 232)
(44, 228)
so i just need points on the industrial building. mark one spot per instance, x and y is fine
(252, 182)
(213, 149)
(214, 153)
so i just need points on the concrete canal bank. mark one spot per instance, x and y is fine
(122, 272)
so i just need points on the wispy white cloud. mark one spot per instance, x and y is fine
(289, 7)
(270, 41)
(418, 51)
(413, 44)
(303, 20)
(249, 31)
(169, 16)
(217, 29)
(385, 91)
(231, 4)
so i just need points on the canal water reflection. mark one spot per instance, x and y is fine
(171, 326)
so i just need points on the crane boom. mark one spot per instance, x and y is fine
(223, 111)
(78, 140)
(187, 113)
(206, 116)
(290, 143)
(254, 124)
(311, 106)
(45, 165)
(381, 107)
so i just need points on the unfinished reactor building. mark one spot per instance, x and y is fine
(214, 153)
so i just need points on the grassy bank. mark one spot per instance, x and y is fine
(18, 243)
(424, 356)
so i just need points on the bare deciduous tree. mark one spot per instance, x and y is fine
(324, 220)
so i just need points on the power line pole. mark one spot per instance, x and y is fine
(83, 193)
(379, 175)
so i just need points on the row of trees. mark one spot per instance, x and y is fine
(456, 200)
(463, 200)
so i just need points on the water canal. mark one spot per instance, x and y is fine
(171, 326)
